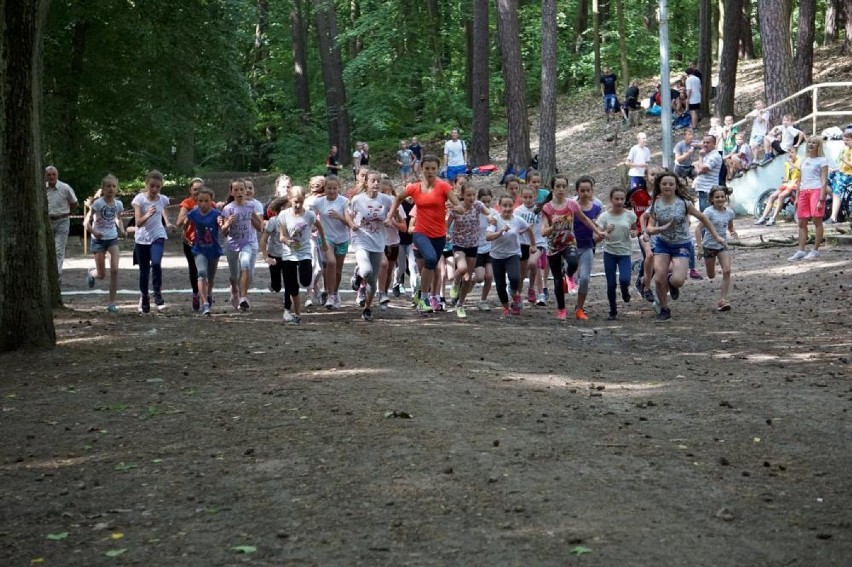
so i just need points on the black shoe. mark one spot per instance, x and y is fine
(144, 304)
(355, 282)
(158, 300)
(625, 296)
(396, 290)
(244, 305)
(673, 291)
(612, 317)
(367, 315)
(663, 316)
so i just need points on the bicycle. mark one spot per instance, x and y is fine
(788, 207)
(845, 212)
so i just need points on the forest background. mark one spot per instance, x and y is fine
(254, 85)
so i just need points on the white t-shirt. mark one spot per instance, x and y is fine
(370, 214)
(811, 169)
(705, 181)
(273, 242)
(788, 137)
(534, 220)
(335, 230)
(693, 89)
(760, 125)
(105, 215)
(392, 236)
(299, 231)
(454, 151)
(638, 154)
(153, 228)
(509, 243)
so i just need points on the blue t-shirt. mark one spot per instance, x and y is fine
(206, 232)
(584, 235)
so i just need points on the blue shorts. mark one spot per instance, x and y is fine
(454, 171)
(98, 245)
(339, 248)
(838, 180)
(609, 101)
(679, 250)
(405, 170)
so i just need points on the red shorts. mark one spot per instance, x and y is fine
(809, 204)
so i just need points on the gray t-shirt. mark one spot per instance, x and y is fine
(681, 148)
(705, 181)
(678, 232)
(720, 220)
(105, 215)
(273, 243)
(299, 230)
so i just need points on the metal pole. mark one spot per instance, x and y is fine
(816, 105)
(665, 86)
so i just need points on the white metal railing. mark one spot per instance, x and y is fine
(816, 112)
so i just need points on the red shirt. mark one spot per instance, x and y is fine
(641, 200)
(431, 208)
(189, 228)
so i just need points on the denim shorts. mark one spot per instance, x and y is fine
(679, 250)
(97, 245)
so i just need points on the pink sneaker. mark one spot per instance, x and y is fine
(562, 314)
(504, 313)
(531, 295)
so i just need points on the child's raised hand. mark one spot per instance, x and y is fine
(735, 235)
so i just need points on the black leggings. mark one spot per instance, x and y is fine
(276, 274)
(193, 271)
(555, 263)
(506, 267)
(295, 273)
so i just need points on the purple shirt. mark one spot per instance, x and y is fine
(241, 233)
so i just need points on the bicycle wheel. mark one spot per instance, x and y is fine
(760, 204)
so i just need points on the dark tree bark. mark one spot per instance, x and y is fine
(746, 34)
(596, 37)
(804, 61)
(778, 77)
(622, 34)
(355, 42)
(300, 58)
(830, 32)
(468, 82)
(332, 73)
(650, 20)
(729, 58)
(260, 52)
(582, 23)
(705, 52)
(480, 141)
(508, 31)
(26, 317)
(720, 30)
(847, 11)
(603, 8)
(547, 113)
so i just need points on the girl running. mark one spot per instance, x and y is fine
(465, 243)
(639, 199)
(531, 251)
(240, 225)
(392, 244)
(316, 188)
(149, 211)
(369, 235)
(541, 196)
(189, 238)
(668, 223)
(294, 231)
(430, 229)
(722, 218)
(504, 234)
(813, 193)
(205, 243)
(104, 223)
(557, 225)
(484, 273)
(584, 237)
(270, 244)
(333, 211)
(620, 227)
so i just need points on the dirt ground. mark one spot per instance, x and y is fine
(172, 439)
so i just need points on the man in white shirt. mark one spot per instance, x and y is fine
(707, 168)
(693, 95)
(61, 200)
(455, 155)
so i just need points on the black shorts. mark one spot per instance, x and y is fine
(712, 252)
(696, 106)
(392, 252)
(525, 252)
(468, 252)
(447, 253)
(776, 147)
(483, 260)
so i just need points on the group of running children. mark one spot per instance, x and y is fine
(445, 234)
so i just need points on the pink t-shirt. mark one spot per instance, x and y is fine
(562, 221)
(466, 227)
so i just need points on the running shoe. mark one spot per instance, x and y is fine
(362, 296)
(329, 302)
(812, 254)
(612, 317)
(546, 295)
(518, 302)
(309, 302)
(244, 304)
(580, 314)
(649, 296)
(235, 300)
(723, 306)
(111, 308)
(205, 309)
(337, 303)
(210, 301)
(288, 316)
(761, 220)
(196, 303)
(625, 295)
(434, 304)
(693, 274)
(454, 292)
(572, 285)
(367, 315)
(770, 221)
(296, 320)
(159, 301)
(396, 292)
(90, 279)
(355, 282)
(516, 308)
(674, 292)
(541, 301)
(531, 295)
(144, 304)
(799, 255)
(323, 298)
(562, 314)
(505, 313)
(423, 306)
(384, 300)
(460, 312)
(442, 303)
(663, 316)
(483, 306)
(657, 306)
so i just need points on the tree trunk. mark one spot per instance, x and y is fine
(481, 136)
(26, 317)
(746, 35)
(582, 23)
(260, 34)
(332, 73)
(622, 34)
(804, 62)
(508, 31)
(778, 78)
(435, 39)
(705, 52)
(468, 81)
(354, 42)
(650, 20)
(547, 125)
(596, 22)
(830, 32)
(847, 11)
(728, 60)
(603, 9)
(300, 58)
(720, 26)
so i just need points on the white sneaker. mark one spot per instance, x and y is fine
(483, 306)
(329, 303)
(337, 304)
(799, 255)
(770, 221)
(288, 317)
(384, 299)
(309, 302)
(812, 254)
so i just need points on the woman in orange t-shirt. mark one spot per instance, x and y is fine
(430, 196)
(189, 238)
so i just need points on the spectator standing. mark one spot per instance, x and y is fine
(707, 169)
(609, 83)
(61, 201)
(417, 150)
(685, 152)
(693, 95)
(455, 155)
(637, 159)
(332, 164)
(405, 161)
